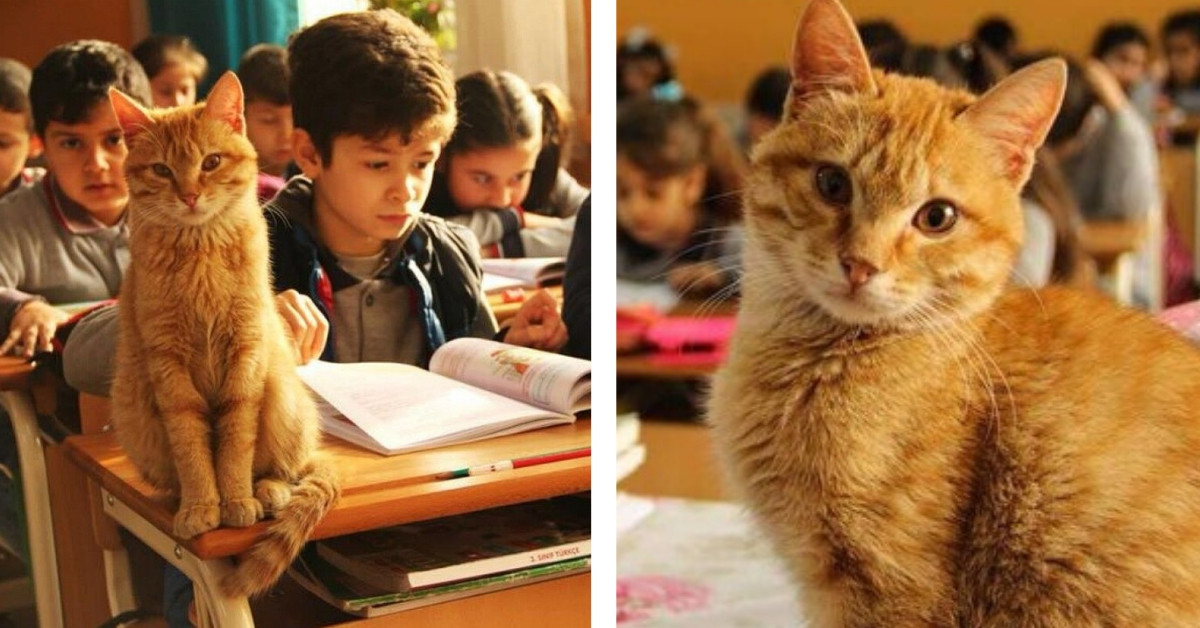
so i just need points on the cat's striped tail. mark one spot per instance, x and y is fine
(266, 561)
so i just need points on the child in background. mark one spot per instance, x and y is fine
(678, 184)
(264, 74)
(644, 68)
(764, 102)
(174, 66)
(1125, 49)
(1181, 88)
(501, 174)
(64, 237)
(17, 141)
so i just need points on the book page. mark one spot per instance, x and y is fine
(549, 380)
(534, 271)
(403, 407)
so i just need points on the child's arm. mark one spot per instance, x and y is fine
(490, 225)
(550, 238)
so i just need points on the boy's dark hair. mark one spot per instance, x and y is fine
(159, 51)
(667, 139)
(263, 71)
(1187, 21)
(75, 76)
(368, 74)
(1117, 34)
(498, 109)
(884, 44)
(768, 92)
(998, 34)
(14, 88)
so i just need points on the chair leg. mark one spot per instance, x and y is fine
(42, 558)
(215, 610)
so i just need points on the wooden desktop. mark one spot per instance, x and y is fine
(377, 491)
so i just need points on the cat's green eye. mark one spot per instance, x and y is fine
(210, 163)
(833, 184)
(161, 170)
(936, 217)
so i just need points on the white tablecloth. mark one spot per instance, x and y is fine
(701, 564)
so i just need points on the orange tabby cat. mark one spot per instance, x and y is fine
(923, 447)
(206, 400)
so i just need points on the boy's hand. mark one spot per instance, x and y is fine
(537, 324)
(305, 324)
(32, 329)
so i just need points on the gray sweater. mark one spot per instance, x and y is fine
(53, 249)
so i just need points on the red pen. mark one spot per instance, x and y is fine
(516, 463)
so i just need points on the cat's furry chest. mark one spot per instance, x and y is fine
(843, 449)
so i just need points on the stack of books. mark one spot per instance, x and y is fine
(631, 453)
(408, 566)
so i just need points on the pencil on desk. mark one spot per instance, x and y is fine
(516, 463)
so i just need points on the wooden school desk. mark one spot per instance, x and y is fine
(504, 309)
(377, 491)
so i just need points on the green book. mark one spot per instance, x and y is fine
(356, 597)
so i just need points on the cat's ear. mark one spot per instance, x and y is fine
(131, 116)
(1017, 113)
(225, 102)
(827, 54)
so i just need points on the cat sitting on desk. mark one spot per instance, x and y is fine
(206, 401)
(925, 445)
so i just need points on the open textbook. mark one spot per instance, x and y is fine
(474, 389)
(534, 272)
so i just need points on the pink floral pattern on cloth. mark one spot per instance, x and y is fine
(698, 564)
(643, 597)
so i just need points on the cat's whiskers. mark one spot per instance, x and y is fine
(1032, 288)
(935, 322)
(975, 349)
(977, 341)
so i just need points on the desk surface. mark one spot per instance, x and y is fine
(14, 372)
(377, 491)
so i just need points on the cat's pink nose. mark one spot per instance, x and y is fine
(189, 199)
(858, 272)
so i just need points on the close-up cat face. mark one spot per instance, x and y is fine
(188, 165)
(888, 200)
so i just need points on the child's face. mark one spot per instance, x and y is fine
(371, 191)
(487, 178)
(660, 213)
(269, 127)
(173, 86)
(1127, 63)
(14, 146)
(1183, 57)
(88, 161)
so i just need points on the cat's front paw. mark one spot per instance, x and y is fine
(196, 519)
(274, 494)
(241, 512)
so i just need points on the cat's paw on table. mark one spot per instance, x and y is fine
(196, 519)
(241, 512)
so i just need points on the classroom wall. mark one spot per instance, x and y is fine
(721, 45)
(27, 33)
